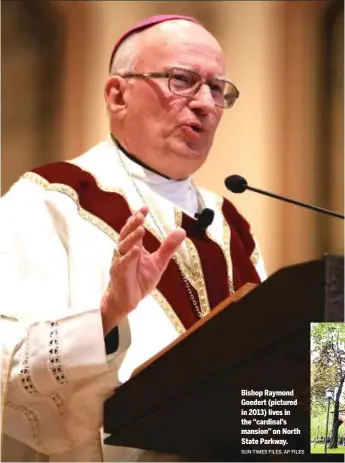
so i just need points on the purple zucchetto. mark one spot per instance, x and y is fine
(145, 24)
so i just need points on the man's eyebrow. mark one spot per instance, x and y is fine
(194, 69)
(180, 66)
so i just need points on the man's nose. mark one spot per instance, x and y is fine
(203, 99)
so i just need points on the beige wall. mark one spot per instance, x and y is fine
(248, 138)
(269, 136)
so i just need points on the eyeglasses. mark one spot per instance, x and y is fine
(186, 83)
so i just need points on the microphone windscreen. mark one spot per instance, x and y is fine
(236, 183)
(207, 215)
(204, 219)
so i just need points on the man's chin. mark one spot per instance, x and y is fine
(189, 150)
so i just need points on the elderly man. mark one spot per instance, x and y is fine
(79, 317)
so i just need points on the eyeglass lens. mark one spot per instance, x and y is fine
(184, 82)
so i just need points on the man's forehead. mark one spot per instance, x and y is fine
(174, 45)
(177, 31)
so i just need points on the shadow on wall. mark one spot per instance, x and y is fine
(205, 12)
(30, 85)
(331, 120)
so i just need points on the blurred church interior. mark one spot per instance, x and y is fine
(284, 134)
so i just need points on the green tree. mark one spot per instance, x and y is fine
(328, 369)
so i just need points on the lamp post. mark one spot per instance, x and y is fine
(329, 396)
(317, 434)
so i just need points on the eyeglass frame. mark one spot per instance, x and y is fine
(168, 74)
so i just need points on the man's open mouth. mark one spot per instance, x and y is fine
(196, 128)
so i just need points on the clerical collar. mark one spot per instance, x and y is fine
(136, 160)
(180, 192)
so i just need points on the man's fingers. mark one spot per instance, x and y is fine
(128, 258)
(168, 247)
(135, 221)
(134, 238)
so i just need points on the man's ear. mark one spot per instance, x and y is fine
(114, 93)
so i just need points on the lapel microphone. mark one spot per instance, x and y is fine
(204, 218)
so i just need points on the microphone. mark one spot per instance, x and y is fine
(238, 184)
(205, 218)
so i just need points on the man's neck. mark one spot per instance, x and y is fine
(133, 158)
(179, 192)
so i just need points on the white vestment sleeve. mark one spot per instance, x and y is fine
(56, 374)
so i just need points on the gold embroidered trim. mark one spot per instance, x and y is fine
(109, 231)
(54, 355)
(186, 266)
(108, 189)
(178, 217)
(147, 225)
(227, 254)
(8, 318)
(175, 321)
(73, 195)
(34, 423)
(36, 179)
(199, 277)
(255, 255)
(114, 236)
(187, 272)
(225, 247)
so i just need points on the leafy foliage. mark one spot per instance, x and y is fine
(327, 370)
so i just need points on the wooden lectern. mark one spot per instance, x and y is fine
(187, 400)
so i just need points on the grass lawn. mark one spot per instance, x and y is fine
(320, 448)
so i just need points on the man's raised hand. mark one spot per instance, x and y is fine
(135, 272)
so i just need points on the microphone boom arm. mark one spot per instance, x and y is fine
(298, 203)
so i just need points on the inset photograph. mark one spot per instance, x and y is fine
(327, 408)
